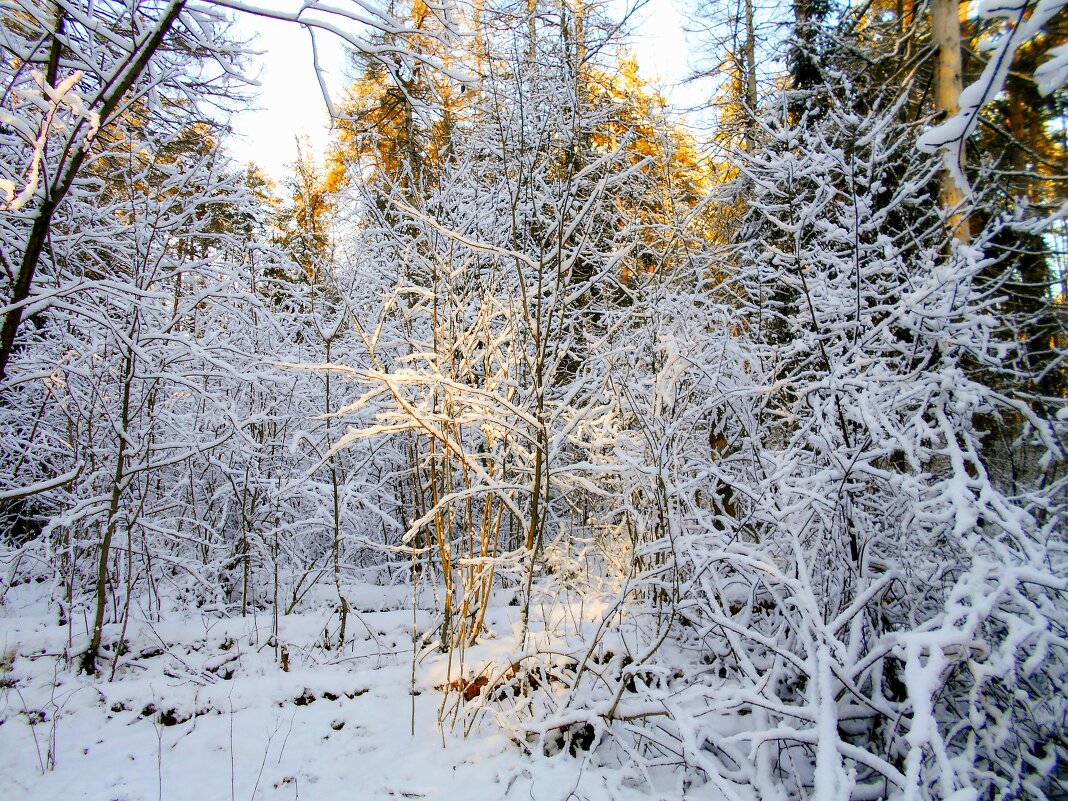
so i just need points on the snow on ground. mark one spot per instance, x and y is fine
(200, 708)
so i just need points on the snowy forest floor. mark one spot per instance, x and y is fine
(200, 708)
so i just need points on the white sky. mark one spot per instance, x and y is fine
(290, 103)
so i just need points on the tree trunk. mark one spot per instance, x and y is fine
(67, 173)
(88, 664)
(750, 79)
(945, 31)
